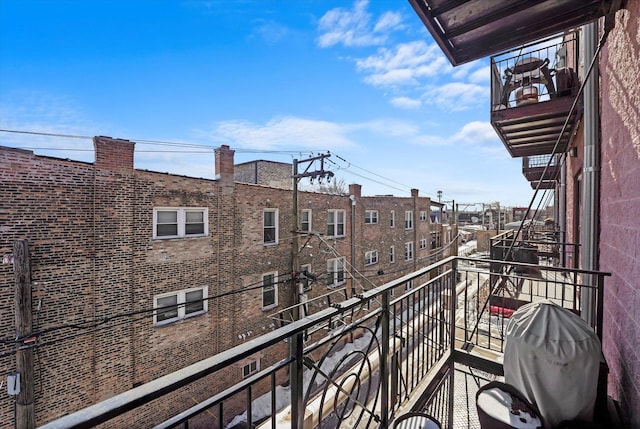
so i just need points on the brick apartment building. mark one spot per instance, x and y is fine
(136, 274)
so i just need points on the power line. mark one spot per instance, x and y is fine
(370, 172)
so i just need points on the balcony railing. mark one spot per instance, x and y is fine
(369, 359)
(533, 90)
(545, 167)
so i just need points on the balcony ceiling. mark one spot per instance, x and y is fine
(467, 30)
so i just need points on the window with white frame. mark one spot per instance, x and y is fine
(174, 306)
(423, 243)
(250, 368)
(270, 226)
(423, 216)
(392, 254)
(335, 223)
(408, 251)
(335, 271)
(392, 219)
(305, 220)
(371, 257)
(177, 222)
(269, 290)
(409, 285)
(371, 216)
(408, 219)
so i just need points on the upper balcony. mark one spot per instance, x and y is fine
(373, 358)
(533, 90)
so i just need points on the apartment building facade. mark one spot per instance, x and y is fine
(136, 274)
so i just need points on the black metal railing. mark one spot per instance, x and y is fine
(534, 73)
(365, 360)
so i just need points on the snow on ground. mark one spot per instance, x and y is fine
(261, 406)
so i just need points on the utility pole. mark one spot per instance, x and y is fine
(295, 251)
(25, 410)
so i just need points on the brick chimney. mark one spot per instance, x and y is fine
(355, 190)
(224, 163)
(113, 154)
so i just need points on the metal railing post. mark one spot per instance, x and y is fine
(452, 304)
(384, 362)
(600, 306)
(296, 369)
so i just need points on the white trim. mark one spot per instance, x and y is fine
(180, 303)
(334, 267)
(336, 222)
(275, 290)
(371, 257)
(180, 221)
(276, 226)
(408, 251)
(408, 219)
(250, 371)
(309, 221)
(370, 217)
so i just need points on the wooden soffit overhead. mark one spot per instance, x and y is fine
(467, 30)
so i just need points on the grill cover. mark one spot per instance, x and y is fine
(552, 356)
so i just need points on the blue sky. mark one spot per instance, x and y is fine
(272, 79)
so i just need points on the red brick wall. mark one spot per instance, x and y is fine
(90, 229)
(620, 207)
(49, 202)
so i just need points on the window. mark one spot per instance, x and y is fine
(171, 222)
(250, 368)
(392, 221)
(408, 251)
(269, 290)
(423, 243)
(392, 254)
(436, 240)
(408, 220)
(371, 257)
(335, 272)
(409, 285)
(174, 306)
(371, 216)
(335, 223)
(270, 224)
(423, 216)
(305, 220)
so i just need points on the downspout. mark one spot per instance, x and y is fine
(591, 173)
(352, 200)
(562, 211)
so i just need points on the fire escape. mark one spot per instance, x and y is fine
(535, 106)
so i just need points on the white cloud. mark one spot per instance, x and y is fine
(457, 96)
(353, 27)
(282, 132)
(406, 103)
(271, 32)
(480, 76)
(388, 21)
(406, 64)
(475, 132)
(46, 113)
